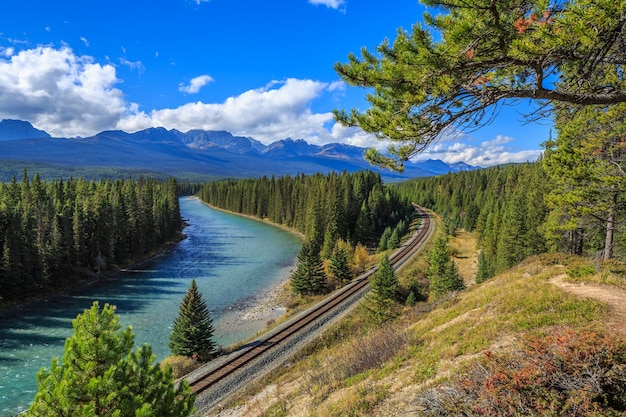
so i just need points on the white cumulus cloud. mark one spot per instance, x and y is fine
(276, 111)
(7, 51)
(63, 93)
(195, 84)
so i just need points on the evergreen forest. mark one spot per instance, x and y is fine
(516, 211)
(55, 234)
(354, 207)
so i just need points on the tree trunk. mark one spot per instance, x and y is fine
(610, 226)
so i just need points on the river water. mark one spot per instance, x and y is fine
(234, 260)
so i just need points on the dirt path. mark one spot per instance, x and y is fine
(614, 297)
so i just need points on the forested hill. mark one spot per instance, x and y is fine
(55, 234)
(521, 210)
(491, 346)
(503, 205)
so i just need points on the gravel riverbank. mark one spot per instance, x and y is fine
(256, 312)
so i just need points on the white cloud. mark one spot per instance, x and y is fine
(195, 84)
(355, 137)
(498, 140)
(488, 153)
(278, 110)
(333, 4)
(85, 41)
(70, 95)
(60, 92)
(337, 86)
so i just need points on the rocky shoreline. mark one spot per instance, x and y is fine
(259, 311)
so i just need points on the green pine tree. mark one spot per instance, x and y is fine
(192, 333)
(99, 375)
(394, 240)
(379, 301)
(456, 68)
(442, 271)
(339, 263)
(586, 166)
(309, 277)
(383, 244)
(484, 270)
(411, 299)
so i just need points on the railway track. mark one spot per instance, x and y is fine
(253, 351)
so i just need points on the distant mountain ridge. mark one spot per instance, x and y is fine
(197, 155)
(18, 129)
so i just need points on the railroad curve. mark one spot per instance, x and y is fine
(216, 381)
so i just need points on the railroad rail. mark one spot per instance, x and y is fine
(258, 348)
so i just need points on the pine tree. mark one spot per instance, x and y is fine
(192, 333)
(442, 271)
(380, 299)
(586, 166)
(511, 247)
(100, 376)
(394, 240)
(462, 64)
(309, 277)
(383, 244)
(484, 270)
(411, 299)
(339, 263)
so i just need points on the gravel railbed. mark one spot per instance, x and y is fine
(210, 402)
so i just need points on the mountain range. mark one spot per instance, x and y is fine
(197, 155)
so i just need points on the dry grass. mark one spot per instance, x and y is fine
(463, 246)
(582, 270)
(352, 361)
(470, 322)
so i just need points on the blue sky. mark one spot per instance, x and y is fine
(258, 68)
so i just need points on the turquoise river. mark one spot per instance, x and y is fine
(236, 261)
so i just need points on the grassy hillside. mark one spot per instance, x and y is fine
(516, 325)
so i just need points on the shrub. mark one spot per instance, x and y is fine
(565, 373)
(581, 271)
(614, 266)
(181, 365)
(363, 354)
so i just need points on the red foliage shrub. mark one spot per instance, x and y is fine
(567, 373)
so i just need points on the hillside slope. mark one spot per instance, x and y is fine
(411, 366)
